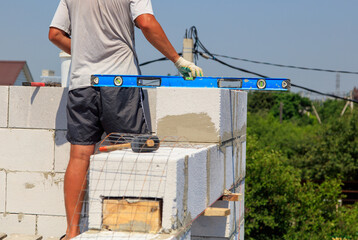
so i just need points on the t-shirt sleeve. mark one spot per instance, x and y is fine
(61, 19)
(139, 7)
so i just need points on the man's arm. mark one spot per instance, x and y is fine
(60, 39)
(154, 33)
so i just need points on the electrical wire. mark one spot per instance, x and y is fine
(208, 55)
(286, 66)
(193, 33)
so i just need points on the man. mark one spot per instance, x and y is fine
(99, 34)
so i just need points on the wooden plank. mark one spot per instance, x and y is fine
(232, 197)
(132, 215)
(217, 212)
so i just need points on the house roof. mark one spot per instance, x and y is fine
(10, 70)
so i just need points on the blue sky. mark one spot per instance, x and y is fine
(320, 34)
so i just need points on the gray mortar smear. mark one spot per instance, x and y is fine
(195, 126)
(29, 185)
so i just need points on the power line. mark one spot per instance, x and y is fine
(293, 85)
(192, 33)
(286, 66)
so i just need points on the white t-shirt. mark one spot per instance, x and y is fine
(102, 36)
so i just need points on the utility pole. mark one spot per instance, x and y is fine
(188, 46)
(316, 113)
(348, 103)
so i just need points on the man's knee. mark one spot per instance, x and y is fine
(81, 152)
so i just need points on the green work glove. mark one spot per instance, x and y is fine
(188, 69)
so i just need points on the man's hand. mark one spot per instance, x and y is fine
(188, 69)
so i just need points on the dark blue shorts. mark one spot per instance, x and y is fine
(92, 111)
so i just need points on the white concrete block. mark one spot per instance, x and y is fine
(197, 115)
(239, 99)
(51, 226)
(175, 196)
(187, 179)
(105, 235)
(128, 174)
(238, 208)
(62, 151)
(230, 164)
(4, 102)
(201, 115)
(211, 226)
(35, 193)
(27, 149)
(216, 174)
(2, 191)
(197, 185)
(18, 223)
(24, 237)
(42, 107)
(150, 106)
(243, 160)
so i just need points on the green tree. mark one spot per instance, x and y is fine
(334, 151)
(270, 189)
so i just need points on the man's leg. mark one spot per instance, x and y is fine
(75, 186)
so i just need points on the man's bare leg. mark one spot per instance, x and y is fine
(75, 186)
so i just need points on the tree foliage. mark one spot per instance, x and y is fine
(283, 160)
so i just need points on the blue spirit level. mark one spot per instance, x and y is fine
(268, 84)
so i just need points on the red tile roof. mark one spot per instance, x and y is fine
(10, 70)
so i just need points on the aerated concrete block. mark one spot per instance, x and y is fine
(41, 107)
(215, 171)
(24, 237)
(62, 151)
(187, 179)
(4, 102)
(2, 191)
(27, 149)
(200, 115)
(211, 226)
(222, 227)
(51, 226)
(242, 173)
(128, 174)
(35, 193)
(239, 101)
(238, 208)
(105, 235)
(18, 223)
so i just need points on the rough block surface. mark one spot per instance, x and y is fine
(4, 101)
(41, 193)
(2, 191)
(18, 223)
(211, 226)
(41, 107)
(208, 115)
(62, 151)
(51, 226)
(24, 237)
(27, 149)
(105, 235)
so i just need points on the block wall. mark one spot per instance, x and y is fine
(34, 156)
(33, 159)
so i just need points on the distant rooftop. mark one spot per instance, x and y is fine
(14, 73)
